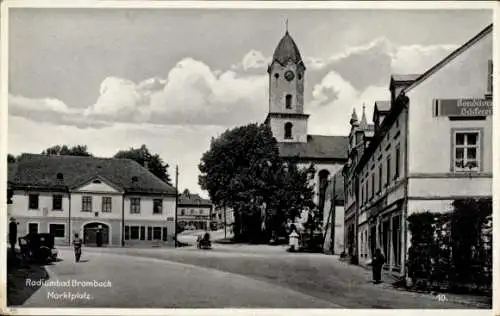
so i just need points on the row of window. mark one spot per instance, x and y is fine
(87, 204)
(145, 233)
(466, 157)
(58, 230)
(192, 212)
(370, 187)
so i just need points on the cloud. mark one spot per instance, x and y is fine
(372, 63)
(330, 116)
(254, 59)
(51, 111)
(194, 94)
(418, 58)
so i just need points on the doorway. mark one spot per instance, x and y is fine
(91, 233)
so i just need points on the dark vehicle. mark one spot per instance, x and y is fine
(203, 242)
(38, 247)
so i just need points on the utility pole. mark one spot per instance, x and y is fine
(225, 223)
(332, 230)
(176, 202)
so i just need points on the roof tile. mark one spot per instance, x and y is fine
(317, 146)
(40, 171)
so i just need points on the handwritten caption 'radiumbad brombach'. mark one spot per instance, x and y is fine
(68, 294)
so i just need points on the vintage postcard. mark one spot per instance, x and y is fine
(254, 157)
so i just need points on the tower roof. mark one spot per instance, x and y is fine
(363, 124)
(287, 50)
(354, 117)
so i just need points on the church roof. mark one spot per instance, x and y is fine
(287, 50)
(317, 147)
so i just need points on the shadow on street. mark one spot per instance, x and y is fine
(18, 274)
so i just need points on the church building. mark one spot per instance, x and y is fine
(288, 122)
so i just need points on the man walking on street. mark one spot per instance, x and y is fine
(77, 244)
(377, 263)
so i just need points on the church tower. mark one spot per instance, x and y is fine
(286, 93)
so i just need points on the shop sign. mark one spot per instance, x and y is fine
(464, 107)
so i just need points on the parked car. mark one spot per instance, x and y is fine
(38, 247)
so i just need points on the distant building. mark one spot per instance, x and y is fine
(63, 195)
(432, 144)
(222, 219)
(359, 138)
(288, 122)
(193, 212)
(334, 213)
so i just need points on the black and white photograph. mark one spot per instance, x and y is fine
(279, 156)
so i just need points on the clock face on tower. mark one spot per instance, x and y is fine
(289, 75)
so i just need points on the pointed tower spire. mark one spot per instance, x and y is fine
(354, 117)
(286, 26)
(363, 123)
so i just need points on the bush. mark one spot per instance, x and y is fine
(452, 250)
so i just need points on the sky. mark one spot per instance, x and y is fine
(171, 79)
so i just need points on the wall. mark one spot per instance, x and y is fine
(394, 138)
(430, 144)
(338, 232)
(449, 187)
(279, 88)
(146, 212)
(299, 129)
(332, 168)
(97, 187)
(97, 191)
(20, 203)
(76, 206)
(43, 226)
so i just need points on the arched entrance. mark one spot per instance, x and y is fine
(92, 231)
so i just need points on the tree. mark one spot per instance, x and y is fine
(64, 150)
(145, 158)
(243, 170)
(11, 158)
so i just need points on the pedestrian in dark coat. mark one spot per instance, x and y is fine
(378, 261)
(99, 238)
(13, 234)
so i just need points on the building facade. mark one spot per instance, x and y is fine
(64, 195)
(194, 212)
(360, 136)
(432, 145)
(288, 121)
(333, 216)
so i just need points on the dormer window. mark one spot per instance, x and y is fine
(96, 181)
(288, 130)
(276, 75)
(288, 101)
(135, 179)
(60, 176)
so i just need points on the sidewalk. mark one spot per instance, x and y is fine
(478, 301)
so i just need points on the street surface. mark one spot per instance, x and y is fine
(224, 277)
